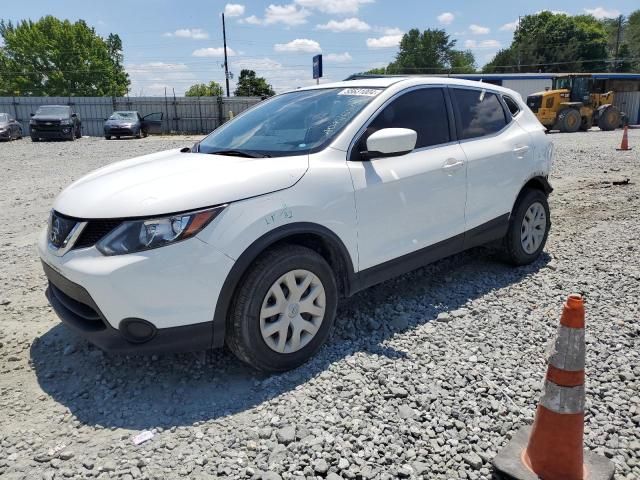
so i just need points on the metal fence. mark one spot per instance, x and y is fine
(180, 114)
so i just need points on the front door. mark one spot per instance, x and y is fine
(152, 123)
(413, 201)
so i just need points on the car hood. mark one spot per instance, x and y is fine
(50, 118)
(172, 181)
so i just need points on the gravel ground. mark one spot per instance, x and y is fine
(425, 376)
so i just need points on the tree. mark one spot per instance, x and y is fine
(249, 85)
(554, 42)
(212, 89)
(431, 51)
(58, 58)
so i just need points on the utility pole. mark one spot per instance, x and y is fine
(226, 64)
(519, 46)
(615, 59)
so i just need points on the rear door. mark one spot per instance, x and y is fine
(497, 151)
(152, 123)
(413, 201)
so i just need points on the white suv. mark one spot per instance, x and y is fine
(250, 237)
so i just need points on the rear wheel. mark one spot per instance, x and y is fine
(609, 118)
(528, 228)
(283, 310)
(569, 120)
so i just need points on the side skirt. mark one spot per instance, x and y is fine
(487, 232)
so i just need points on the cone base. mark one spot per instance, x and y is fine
(623, 149)
(508, 464)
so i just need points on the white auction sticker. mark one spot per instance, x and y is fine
(361, 92)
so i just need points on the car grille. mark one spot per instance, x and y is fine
(53, 125)
(59, 229)
(94, 231)
(121, 130)
(534, 102)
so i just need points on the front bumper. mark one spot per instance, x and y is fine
(5, 134)
(173, 290)
(65, 132)
(121, 131)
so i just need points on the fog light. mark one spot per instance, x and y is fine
(137, 330)
(66, 130)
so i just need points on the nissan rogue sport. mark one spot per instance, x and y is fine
(250, 237)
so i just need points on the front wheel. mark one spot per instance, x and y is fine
(283, 310)
(528, 228)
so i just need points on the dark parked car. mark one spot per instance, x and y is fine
(131, 124)
(9, 127)
(55, 121)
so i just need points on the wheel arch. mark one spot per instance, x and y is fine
(535, 183)
(311, 235)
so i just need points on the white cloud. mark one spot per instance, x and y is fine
(298, 45)
(347, 25)
(386, 41)
(600, 12)
(555, 12)
(479, 29)
(286, 14)
(252, 19)
(391, 31)
(509, 27)
(484, 44)
(152, 78)
(233, 10)
(194, 33)
(338, 57)
(334, 6)
(446, 18)
(213, 52)
(280, 77)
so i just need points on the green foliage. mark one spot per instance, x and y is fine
(556, 42)
(431, 51)
(213, 89)
(249, 85)
(53, 57)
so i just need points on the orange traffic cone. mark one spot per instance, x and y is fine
(552, 448)
(624, 145)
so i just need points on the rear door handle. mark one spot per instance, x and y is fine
(521, 151)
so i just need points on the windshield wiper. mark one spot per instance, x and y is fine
(240, 153)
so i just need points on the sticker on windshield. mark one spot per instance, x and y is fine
(360, 92)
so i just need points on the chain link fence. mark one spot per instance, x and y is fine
(180, 115)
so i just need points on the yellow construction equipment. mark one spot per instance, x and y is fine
(576, 102)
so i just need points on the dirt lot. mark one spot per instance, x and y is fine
(425, 376)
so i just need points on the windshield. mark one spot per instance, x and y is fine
(52, 110)
(563, 83)
(4, 118)
(123, 116)
(290, 124)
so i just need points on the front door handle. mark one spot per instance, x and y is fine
(452, 165)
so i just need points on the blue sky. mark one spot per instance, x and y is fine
(175, 44)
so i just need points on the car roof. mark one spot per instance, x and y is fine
(384, 82)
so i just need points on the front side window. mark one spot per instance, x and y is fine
(294, 123)
(479, 112)
(422, 110)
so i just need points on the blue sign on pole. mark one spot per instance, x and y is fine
(317, 66)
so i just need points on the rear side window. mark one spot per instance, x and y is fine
(479, 112)
(422, 110)
(512, 105)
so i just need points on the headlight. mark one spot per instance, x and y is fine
(65, 122)
(137, 235)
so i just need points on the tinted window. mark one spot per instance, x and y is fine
(421, 110)
(511, 105)
(479, 113)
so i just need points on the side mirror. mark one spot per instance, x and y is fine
(390, 142)
(32, 114)
(74, 115)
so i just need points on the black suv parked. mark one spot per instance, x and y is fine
(55, 121)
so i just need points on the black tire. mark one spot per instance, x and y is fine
(569, 120)
(243, 326)
(587, 123)
(72, 136)
(139, 135)
(107, 137)
(609, 118)
(117, 137)
(514, 251)
(34, 139)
